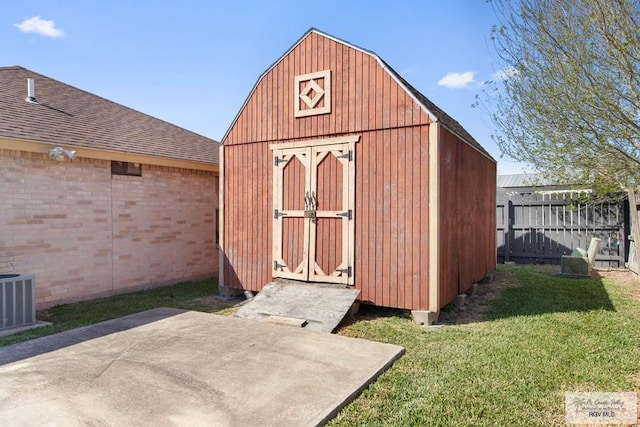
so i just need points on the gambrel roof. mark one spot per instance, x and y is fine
(435, 113)
(74, 118)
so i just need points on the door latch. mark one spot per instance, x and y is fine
(310, 205)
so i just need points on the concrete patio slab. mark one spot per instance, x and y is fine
(168, 367)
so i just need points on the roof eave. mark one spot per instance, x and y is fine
(102, 154)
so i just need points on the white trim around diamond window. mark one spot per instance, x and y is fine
(312, 94)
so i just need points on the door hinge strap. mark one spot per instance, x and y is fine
(278, 160)
(346, 155)
(348, 214)
(346, 271)
(277, 265)
(277, 214)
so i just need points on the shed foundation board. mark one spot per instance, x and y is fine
(322, 306)
(425, 318)
(171, 367)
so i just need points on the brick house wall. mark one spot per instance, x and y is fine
(84, 232)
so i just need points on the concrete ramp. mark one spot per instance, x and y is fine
(317, 307)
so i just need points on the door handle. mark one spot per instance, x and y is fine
(310, 203)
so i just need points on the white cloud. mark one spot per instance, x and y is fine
(40, 26)
(505, 73)
(457, 80)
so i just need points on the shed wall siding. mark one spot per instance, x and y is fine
(248, 216)
(392, 232)
(391, 217)
(391, 213)
(392, 228)
(365, 97)
(467, 211)
(84, 233)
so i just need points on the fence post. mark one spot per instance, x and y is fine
(635, 231)
(509, 232)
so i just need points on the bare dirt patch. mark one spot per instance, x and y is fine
(623, 278)
(473, 311)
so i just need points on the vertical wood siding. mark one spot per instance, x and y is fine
(247, 216)
(293, 199)
(467, 252)
(364, 96)
(329, 230)
(392, 178)
(392, 230)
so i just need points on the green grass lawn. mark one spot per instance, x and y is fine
(189, 296)
(544, 337)
(538, 339)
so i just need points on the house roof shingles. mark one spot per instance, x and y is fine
(75, 118)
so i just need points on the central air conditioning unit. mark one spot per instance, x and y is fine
(17, 301)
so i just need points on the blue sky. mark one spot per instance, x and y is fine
(193, 63)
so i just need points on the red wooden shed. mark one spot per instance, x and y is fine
(338, 170)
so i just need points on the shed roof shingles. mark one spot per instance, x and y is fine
(72, 117)
(448, 121)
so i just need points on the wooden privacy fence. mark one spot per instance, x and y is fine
(634, 225)
(541, 228)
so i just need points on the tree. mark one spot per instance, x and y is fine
(569, 99)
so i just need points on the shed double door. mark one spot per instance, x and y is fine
(313, 217)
